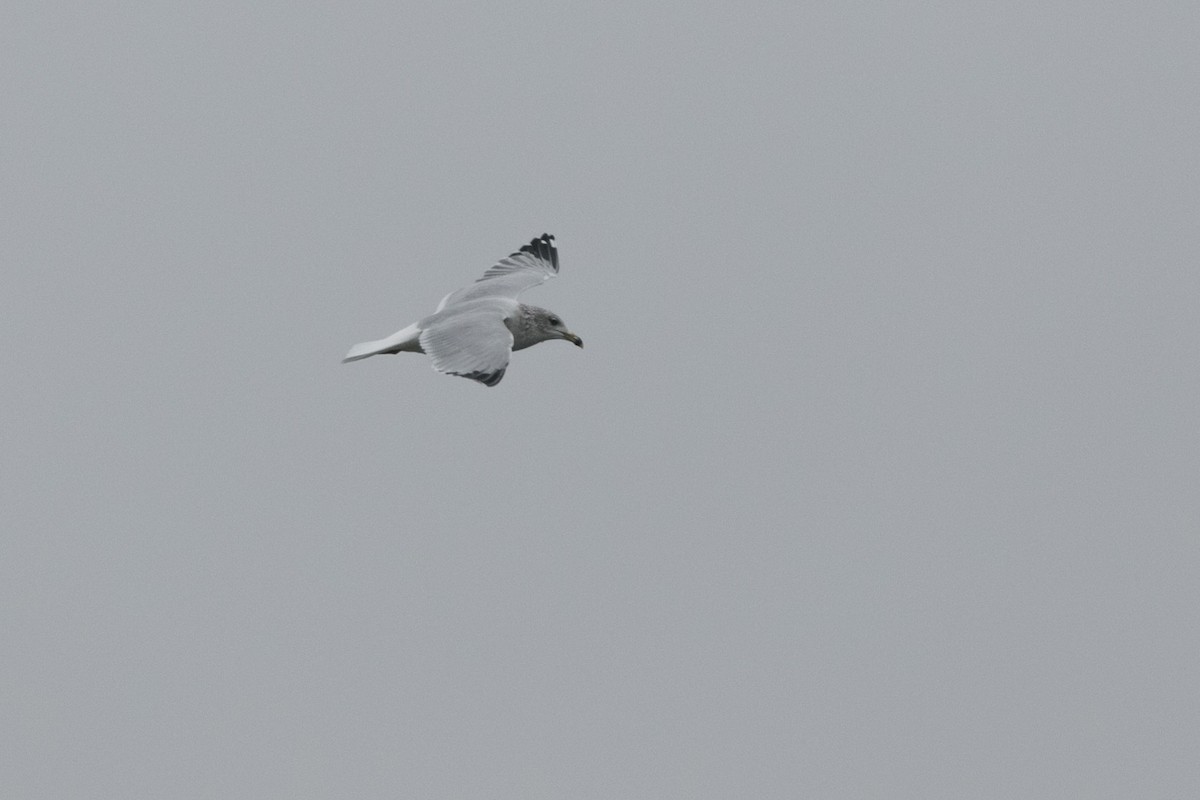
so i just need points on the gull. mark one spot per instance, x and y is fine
(475, 329)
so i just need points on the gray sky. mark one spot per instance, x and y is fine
(877, 478)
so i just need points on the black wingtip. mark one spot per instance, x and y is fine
(543, 247)
(486, 378)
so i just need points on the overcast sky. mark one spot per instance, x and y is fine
(877, 478)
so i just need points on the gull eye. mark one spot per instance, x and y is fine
(555, 321)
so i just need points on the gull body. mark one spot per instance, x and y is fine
(475, 329)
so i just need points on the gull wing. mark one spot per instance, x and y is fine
(469, 340)
(532, 265)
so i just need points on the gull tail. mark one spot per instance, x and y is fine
(401, 341)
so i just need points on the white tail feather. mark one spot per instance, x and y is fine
(397, 342)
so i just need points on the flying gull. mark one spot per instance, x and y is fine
(475, 329)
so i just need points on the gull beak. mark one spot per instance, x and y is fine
(573, 339)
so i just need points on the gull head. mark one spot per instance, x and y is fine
(539, 325)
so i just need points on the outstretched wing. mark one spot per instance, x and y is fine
(471, 341)
(533, 264)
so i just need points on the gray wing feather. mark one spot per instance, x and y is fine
(470, 341)
(532, 265)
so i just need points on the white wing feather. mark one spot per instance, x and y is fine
(470, 340)
(532, 265)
